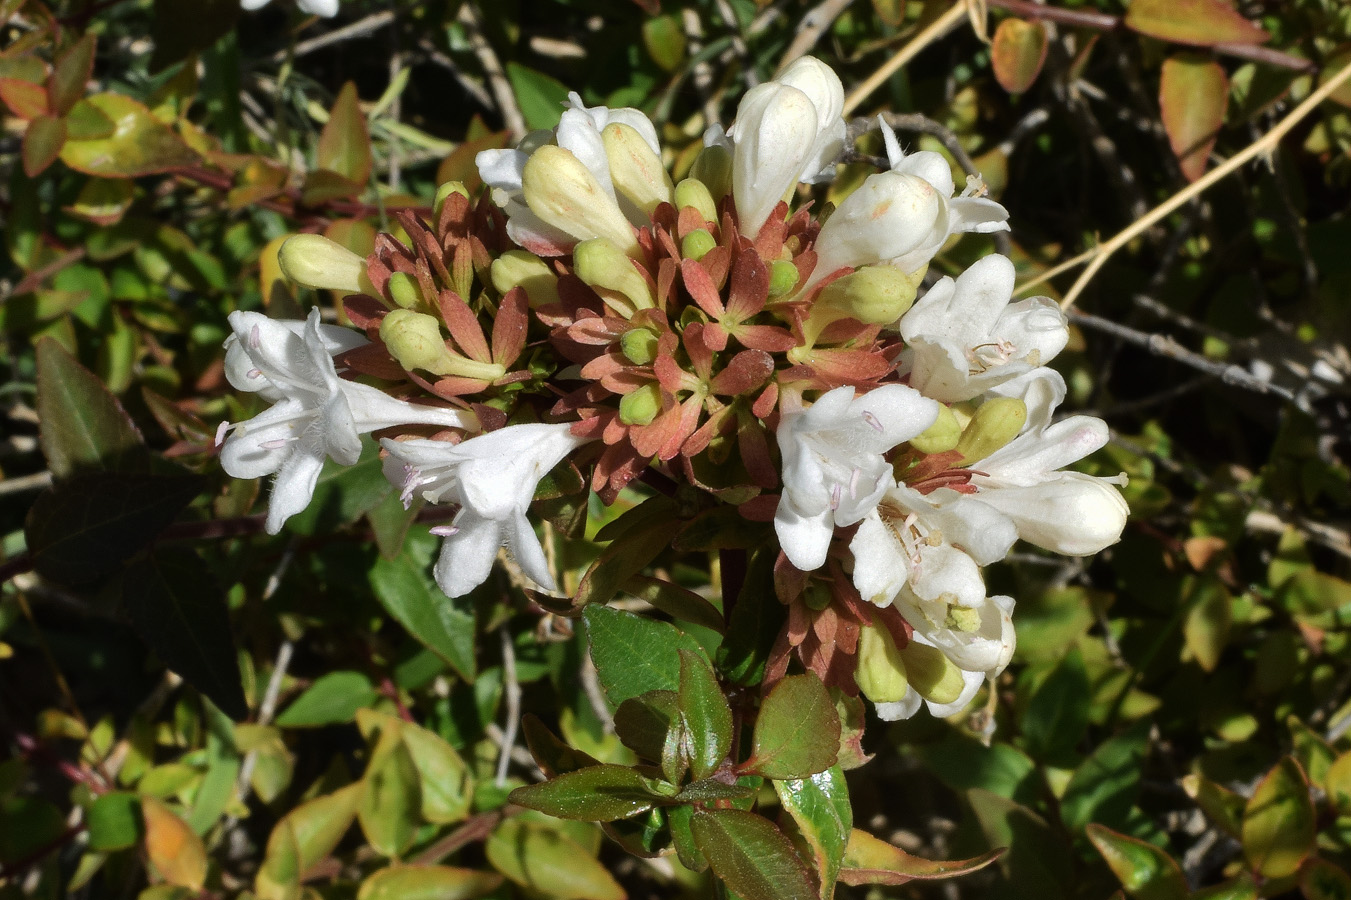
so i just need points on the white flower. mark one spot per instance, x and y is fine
(833, 469)
(908, 705)
(314, 414)
(978, 638)
(1066, 512)
(964, 337)
(493, 477)
(786, 130)
(325, 8)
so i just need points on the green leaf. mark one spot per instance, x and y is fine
(1240, 888)
(645, 835)
(87, 122)
(82, 425)
(1104, 786)
(753, 626)
(345, 144)
(754, 858)
(1317, 598)
(447, 791)
(628, 554)
(1145, 871)
(1036, 860)
(542, 860)
(1193, 95)
(649, 724)
(85, 527)
(868, 860)
(179, 610)
(1314, 755)
(331, 700)
(1322, 880)
(428, 883)
(1201, 22)
(304, 836)
(553, 756)
(541, 98)
(114, 822)
(819, 807)
(633, 654)
(681, 821)
(797, 732)
(674, 600)
(1057, 714)
(223, 761)
(594, 794)
(1206, 628)
(665, 41)
(1221, 806)
(962, 762)
(391, 805)
(70, 74)
(42, 143)
(711, 791)
(408, 593)
(705, 713)
(1017, 53)
(139, 145)
(1279, 823)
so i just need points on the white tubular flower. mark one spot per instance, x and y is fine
(493, 477)
(1067, 512)
(240, 370)
(326, 8)
(833, 469)
(935, 543)
(787, 130)
(977, 638)
(964, 337)
(969, 212)
(315, 414)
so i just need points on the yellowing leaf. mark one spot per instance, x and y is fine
(543, 860)
(140, 144)
(177, 854)
(345, 145)
(1193, 94)
(1017, 54)
(1278, 822)
(1200, 22)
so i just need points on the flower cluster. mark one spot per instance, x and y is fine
(591, 312)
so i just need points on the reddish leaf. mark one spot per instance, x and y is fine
(70, 74)
(26, 99)
(345, 145)
(1017, 54)
(1201, 22)
(41, 144)
(1193, 94)
(868, 860)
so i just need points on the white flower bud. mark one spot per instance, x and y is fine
(314, 261)
(776, 127)
(637, 172)
(886, 217)
(564, 194)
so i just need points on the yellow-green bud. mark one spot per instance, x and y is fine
(931, 673)
(639, 346)
(602, 265)
(996, 422)
(696, 244)
(693, 192)
(563, 193)
(415, 340)
(816, 596)
(713, 166)
(963, 618)
(635, 171)
(783, 277)
(520, 268)
(445, 190)
(405, 290)
(315, 261)
(941, 436)
(874, 295)
(880, 672)
(640, 407)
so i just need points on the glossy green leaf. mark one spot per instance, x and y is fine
(88, 122)
(797, 733)
(542, 860)
(820, 810)
(345, 144)
(551, 754)
(634, 654)
(1105, 785)
(646, 835)
(869, 860)
(1017, 53)
(1279, 822)
(332, 699)
(1193, 95)
(223, 761)
(1145, 871)
(1240, 888)
(42, 143)
(674, 600)
(406, 590)
(391, 805)
(1314, 755)
(541, 98)
(711, 791)
(594, 794)
(706, 715)
(114, 821)
(139, 145)
(82, 425)
(754, 858)
(1317, 598)
(179, 610)
(649, 724)
(428, 883)
(681, 821)
(1057, 714)
(1202, 22)
(304, 836)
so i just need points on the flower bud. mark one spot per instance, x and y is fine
(444, 191)
(880, 672)
(776, 128)
(315, 261)
(696, 244)
(602, 265)
(415, 340)
(713, 168)
(641, 406)
(931, 673)
(520, 268)
(783, 277)
(404, 290)
(874, 295)
(693, 192)
(636, 171)
(996, 422)
(888, 215)
(941, 436)
(565, 195)
(639, 346)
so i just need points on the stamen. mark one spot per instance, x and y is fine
(276, 444)
(853, 482)
(835, 494)
(444, 530)
(872, 421)
(253, 373)
(221, 429)
(255, 338)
